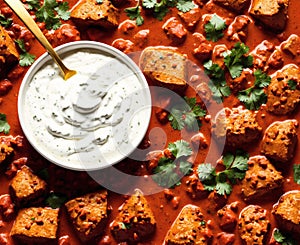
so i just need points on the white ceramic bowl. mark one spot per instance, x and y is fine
(94, 119)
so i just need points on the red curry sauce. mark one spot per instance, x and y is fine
(72, 183)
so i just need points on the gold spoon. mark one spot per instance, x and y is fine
(21, 12)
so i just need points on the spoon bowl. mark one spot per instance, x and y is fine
(21, 12)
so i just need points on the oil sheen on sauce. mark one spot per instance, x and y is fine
(93, 119)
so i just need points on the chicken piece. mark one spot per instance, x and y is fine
(286, 211)
(5, 152)
(135, 221)
(239, 126)
(237, 30)
(275, 60)
(27, 188)
(165, 66)
(261, 178)
(9, 55)
(280, 140)
(284, 90)
(89, 12)
(253, 225)
(175, 30)
(272, 13)
(36, 225)
(190, 18)
(88, 214)
(235, 5)
(190, 227)
(261, 54)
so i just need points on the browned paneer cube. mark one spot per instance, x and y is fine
(5, 152)
(235, 5)
(135, 221)
(253, 225)
(27, 188)
(272, 13)
(261, 178)
(286, 211)
(165, 66)
(239, 126)
(292, 45)
(9, 55)
(190, 227)
(89, 12)
(88, 214)
(284, 90)
(36, 225)
(279, 140)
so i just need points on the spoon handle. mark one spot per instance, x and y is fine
(21, 12)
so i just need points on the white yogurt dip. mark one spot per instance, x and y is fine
(93, 119)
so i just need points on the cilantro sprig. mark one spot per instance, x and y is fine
(237, 59)
(214, 28)
(26, 59)
(296, 168)
(170, 170)
(134, 13)
(217, 83)
(186, 114)
(55, 200)
(159, 8)
(4, 126)
(222, 181)
(255, 96)
(292, 84)
(283, 238)
(51, 12)
(5, 22)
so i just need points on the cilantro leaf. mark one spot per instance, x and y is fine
(4, 126)
(180, 148)
(283, 238)
(206, 172)
(26, 59)
(255, 96)
(217, 83)
(292, 84)
(169, 171)
(5, 22)
(214, 28)
(55, 200)
(236, 59)
(186, 114)
(235, 165)
(185, 5)
(296, 168)
(149, 3)
(99, 1)
(33, 4)
(51, 12)
(134, 13)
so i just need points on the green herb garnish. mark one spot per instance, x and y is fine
(296, 168)
(5, 22)
(4, 126)
(169, 170)
(217, 83)
(186, 114)
(283, 238)
(51, 12)
(26, 59)
(236, 59)
(214, 28)
(134, 13)
(255, 96)
(222, 181)
(292, 84)
(161, 8)
(55, 200)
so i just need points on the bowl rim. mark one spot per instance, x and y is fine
(65, 48)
